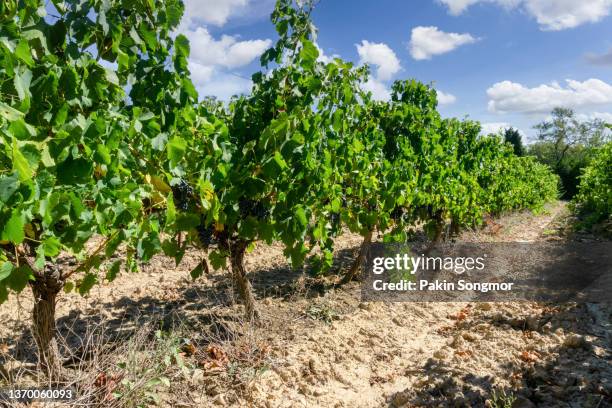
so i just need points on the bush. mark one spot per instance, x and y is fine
(595, 189)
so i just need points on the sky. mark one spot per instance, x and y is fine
(502, 62)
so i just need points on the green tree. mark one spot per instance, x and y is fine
(513, 136)
(594, 196)
(566, 145)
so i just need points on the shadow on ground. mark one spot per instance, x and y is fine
(202, 307)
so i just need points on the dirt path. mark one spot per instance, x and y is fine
(413, 353)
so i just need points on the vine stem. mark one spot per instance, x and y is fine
(90, 257)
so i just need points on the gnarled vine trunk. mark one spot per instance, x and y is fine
(437, 233)
(358, 263)
(45, 289)
(241, 282)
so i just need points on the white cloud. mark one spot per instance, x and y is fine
(386, 64)
(550, 14)
(227, 52)
(224, 85)
(456, 7)
(561, 14)
(379, 89)
(382, 56)
(445, 98)
(507, 96)
(605, 116)
(494, 127)
(200, 73)
(212, 60)
(426, 42)
(324, 58)
(215, 12)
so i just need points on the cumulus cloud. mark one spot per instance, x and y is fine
(385, 65)
(456, 7)
(224, 85)
(200, 73)
(601, 59)
(507, 96)
(324, 58)
(379, 89)
(211, 62)
(227, 51)
(426, 42)
(604, 116)
(494, 127)
(215, 12)
(558, 15)
(379, 54)
(445, 98)
(550, 14)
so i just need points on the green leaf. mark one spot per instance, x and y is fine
(186, 222)
(14, 229)
(8, 185)
(74, 171)
(197, 271)
(278, 158)
(51, 246)
(182, 45)
(148, 246)
(9, 113)
(102, 154)
(20, 163)
(176, 149)
(87, 283)
(174, 13)
(308, 54)
(21, 130)
(336, 204)
(68, 287)
(113, 271)
(111, 76)
(22, 83)
(170, 209)
(32, 154)
(19, 278)
(218, 260)
(22, 51)
(300, 216)
(5, 270)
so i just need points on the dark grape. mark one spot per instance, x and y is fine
(182, 193)
(397, 213)
(205, 234)
(257, 209)
(60, 226)
(334, 220)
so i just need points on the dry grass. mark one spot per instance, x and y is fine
(184, 365)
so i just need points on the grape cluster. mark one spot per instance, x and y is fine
(397, 213)
(182, 193)
(206, 234)
(253, 208)
(334, 219)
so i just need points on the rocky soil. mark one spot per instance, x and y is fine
(320, 346)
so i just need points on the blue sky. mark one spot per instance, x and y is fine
(502, 62)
